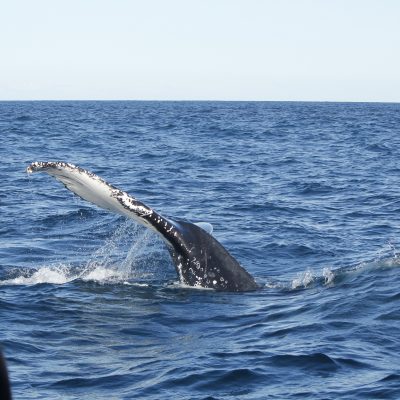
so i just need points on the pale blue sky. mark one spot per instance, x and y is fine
(335, 50)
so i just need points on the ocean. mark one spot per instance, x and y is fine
(306, 196)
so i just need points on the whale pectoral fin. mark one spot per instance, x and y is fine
(94, 189)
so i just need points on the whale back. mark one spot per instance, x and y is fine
(204, 262)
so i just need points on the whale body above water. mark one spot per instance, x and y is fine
(199, 259)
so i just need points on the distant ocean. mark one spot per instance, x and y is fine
(305, 195)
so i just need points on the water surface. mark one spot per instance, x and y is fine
(305, 195)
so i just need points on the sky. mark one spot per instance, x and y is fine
(267, 50)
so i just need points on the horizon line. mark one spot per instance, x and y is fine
(205, 100)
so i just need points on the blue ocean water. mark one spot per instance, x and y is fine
(305, 195)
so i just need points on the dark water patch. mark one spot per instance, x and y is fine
(16, 346)
(315, 188)
(236, 382)
(24, 118)
(295, 330)
(390, 316)
(392, 377)
(314, 363)
(106, 382)
(380, 148)
(352, 364)
(69, 217)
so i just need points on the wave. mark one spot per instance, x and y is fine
(329, 276)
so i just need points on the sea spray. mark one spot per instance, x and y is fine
(132, 253)
(120, 258)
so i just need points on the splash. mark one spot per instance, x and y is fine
(387, 257)
(328, 275)
(129, 254)
(57, 275)
(129, 239)
(303, 279)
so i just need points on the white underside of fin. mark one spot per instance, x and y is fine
(96, 190)
(92, 188)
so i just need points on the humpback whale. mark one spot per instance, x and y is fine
(199, 259)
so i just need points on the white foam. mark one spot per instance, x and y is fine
(180, 285)
(56, 275)
(303, 279)
(60, 275)
(328, 275)
(103, 275)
